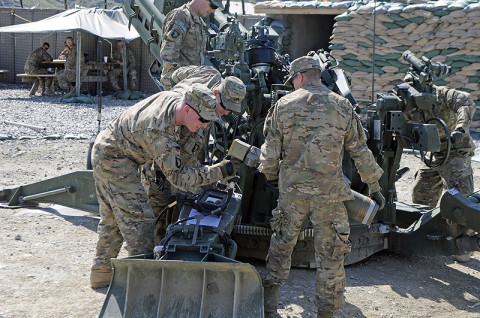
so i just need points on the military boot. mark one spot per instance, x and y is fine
(101, 276)
(324, 314)
(116, 87)
(270, 298)
(133, 85)
(463, 258)
(49, 92)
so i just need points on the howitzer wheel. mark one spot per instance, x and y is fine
(442, 154)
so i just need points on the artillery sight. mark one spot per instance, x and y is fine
(424, 71)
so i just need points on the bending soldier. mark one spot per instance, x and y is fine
(456, 109)
(34, 66)
(117, 72)
(306, 133)
(149, 131)
(184, 40)
(229, 93)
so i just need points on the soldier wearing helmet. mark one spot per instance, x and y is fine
(149, 131)
(184, 40)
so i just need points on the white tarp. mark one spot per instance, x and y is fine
(109, 24)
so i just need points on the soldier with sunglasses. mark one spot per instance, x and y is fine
(229, 93)
(151, 130)
(34, 66)
(184, 39)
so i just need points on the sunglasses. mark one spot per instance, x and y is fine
(293, 77)
(212, 5)
(200, 118)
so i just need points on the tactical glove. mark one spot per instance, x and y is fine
(227, 168)
(236, 164)
(378, 197)
(457, 136)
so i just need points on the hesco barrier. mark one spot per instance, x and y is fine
(444, 31)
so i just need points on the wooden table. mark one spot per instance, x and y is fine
(54, 64)
(90, 67)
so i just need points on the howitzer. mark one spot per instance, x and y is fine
(208, 276)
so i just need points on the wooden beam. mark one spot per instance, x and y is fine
(310, 11)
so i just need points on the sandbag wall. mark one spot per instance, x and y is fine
(444, 31)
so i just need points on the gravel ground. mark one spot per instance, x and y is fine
(58, 119)
(47, 251)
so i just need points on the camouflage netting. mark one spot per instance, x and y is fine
(444, 31)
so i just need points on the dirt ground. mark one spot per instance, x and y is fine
(46, 254)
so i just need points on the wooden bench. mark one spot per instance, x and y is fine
(35, 78)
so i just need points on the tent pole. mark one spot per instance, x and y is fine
(99, 82)
(77, 68)
(124, 59)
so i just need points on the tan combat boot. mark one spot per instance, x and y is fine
(41, 87)
(101, 276)
(116, 87)
(324, 314)
(49, 92)
(270, 298)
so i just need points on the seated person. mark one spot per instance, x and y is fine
(68, 47)
(34, 66)
(117, 72)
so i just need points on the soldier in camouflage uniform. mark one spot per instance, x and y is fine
(306, 133)
(117, 72)
(68, 75)
(68, 46)
(456, 109)
(229, 93)
(34, 66)
(184, 39)
(150, 130)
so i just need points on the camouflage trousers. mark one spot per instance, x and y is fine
(331, 231)
(65, 79)
(430, 183)
(115, 75)
(125, 211)
(43, 82)
(159, 198)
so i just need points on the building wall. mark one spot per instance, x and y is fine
(446, 32)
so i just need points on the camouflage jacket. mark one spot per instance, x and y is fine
(71, 61)
(35, 59)
(146, 132)
(184, 40)
(117, 57)
(456, 109)
(64, 54)
(306, 132)
(182, 79)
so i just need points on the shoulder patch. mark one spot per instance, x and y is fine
(181, 25)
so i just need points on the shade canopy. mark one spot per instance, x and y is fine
(110, 24)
